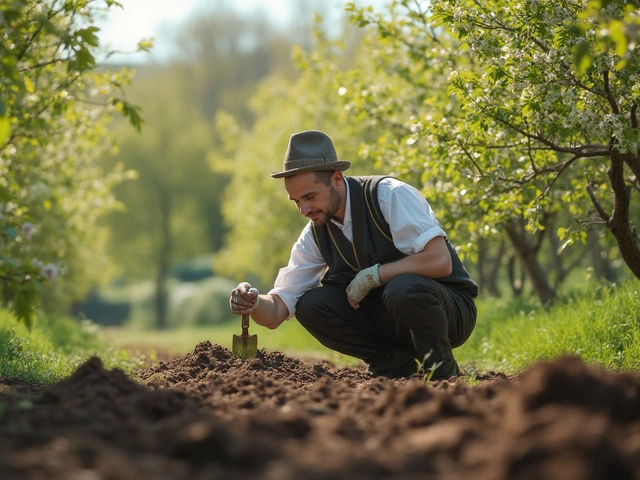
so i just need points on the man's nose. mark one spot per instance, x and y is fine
(304, 208)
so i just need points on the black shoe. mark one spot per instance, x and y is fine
(435, 350)
(446, 370)
(393, 364)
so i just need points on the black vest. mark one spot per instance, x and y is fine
(372, 241)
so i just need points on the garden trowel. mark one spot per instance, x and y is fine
(245, 345)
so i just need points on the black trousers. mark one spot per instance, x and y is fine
(410, 317)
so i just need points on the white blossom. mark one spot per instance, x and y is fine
(38, 191)
(49, 271)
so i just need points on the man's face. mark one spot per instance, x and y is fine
(315, 200)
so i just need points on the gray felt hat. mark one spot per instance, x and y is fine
(310, 151)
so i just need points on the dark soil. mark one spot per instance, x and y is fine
(209, 415)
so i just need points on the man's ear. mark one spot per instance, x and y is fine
(337, 179)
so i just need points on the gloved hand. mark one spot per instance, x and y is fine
(360, 286)
(244, 299)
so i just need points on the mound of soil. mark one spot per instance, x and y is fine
(209, 415)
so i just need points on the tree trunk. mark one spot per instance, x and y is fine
(517, 284)
(481, 245)
(164, 261)
(556, 261)
(560, 266)
(598, 256)
(527, 254)
(488, 267)
(618, 223)
(492, 275)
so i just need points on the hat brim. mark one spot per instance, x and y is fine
(340, 165)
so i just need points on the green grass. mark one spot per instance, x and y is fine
(54, 348)
(600, 323)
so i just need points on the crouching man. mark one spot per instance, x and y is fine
(372, 275)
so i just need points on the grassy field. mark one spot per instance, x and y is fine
(290, 337)
(599, 323)
(54, 348)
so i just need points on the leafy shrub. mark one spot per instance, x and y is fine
(200, 303)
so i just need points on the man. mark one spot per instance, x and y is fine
(372, 275)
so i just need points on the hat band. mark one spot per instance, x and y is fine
(310, 162)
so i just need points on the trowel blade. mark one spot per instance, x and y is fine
(245, 347)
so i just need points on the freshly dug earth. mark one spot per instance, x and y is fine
(209, 415)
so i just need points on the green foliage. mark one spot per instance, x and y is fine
(403, 93)
(53, 109)
(173, 210)
(615, 29)
(53, 348)
(201, 111)
(482, 100)
(597, 322)
(223, 55)
(200, 303)
(193, 303)
(169, 203)
(263, 223)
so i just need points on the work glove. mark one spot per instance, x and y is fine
(244, 299)
(360, 286)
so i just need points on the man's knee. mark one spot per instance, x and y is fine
(306, 306)
(317, 303)
(415, 301)
(403, 289)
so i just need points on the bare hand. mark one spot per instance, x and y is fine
(244, 299)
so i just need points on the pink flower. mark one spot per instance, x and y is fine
(49, 271)
(28, 229)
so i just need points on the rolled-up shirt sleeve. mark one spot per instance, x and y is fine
(304, 271)
(410, 217)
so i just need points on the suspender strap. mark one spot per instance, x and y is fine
(373, 207)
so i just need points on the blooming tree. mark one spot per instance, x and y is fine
(53, 108)
(529, 98)
(539, 113)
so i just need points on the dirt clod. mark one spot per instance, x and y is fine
(210, 415)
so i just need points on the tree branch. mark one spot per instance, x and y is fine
(560, 168)
(539, 237)
(592, 195)
(599, 150)
(565, 66)
(588, 223)
(633, 181)
(607, 89)
(552, 146)
(44, 64)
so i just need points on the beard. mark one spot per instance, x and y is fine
(330, 211)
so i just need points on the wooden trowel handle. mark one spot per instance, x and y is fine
(245, 325)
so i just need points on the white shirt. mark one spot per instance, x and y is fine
(411, 220)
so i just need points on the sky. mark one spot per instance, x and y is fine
(125, 27)
(139, 19)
